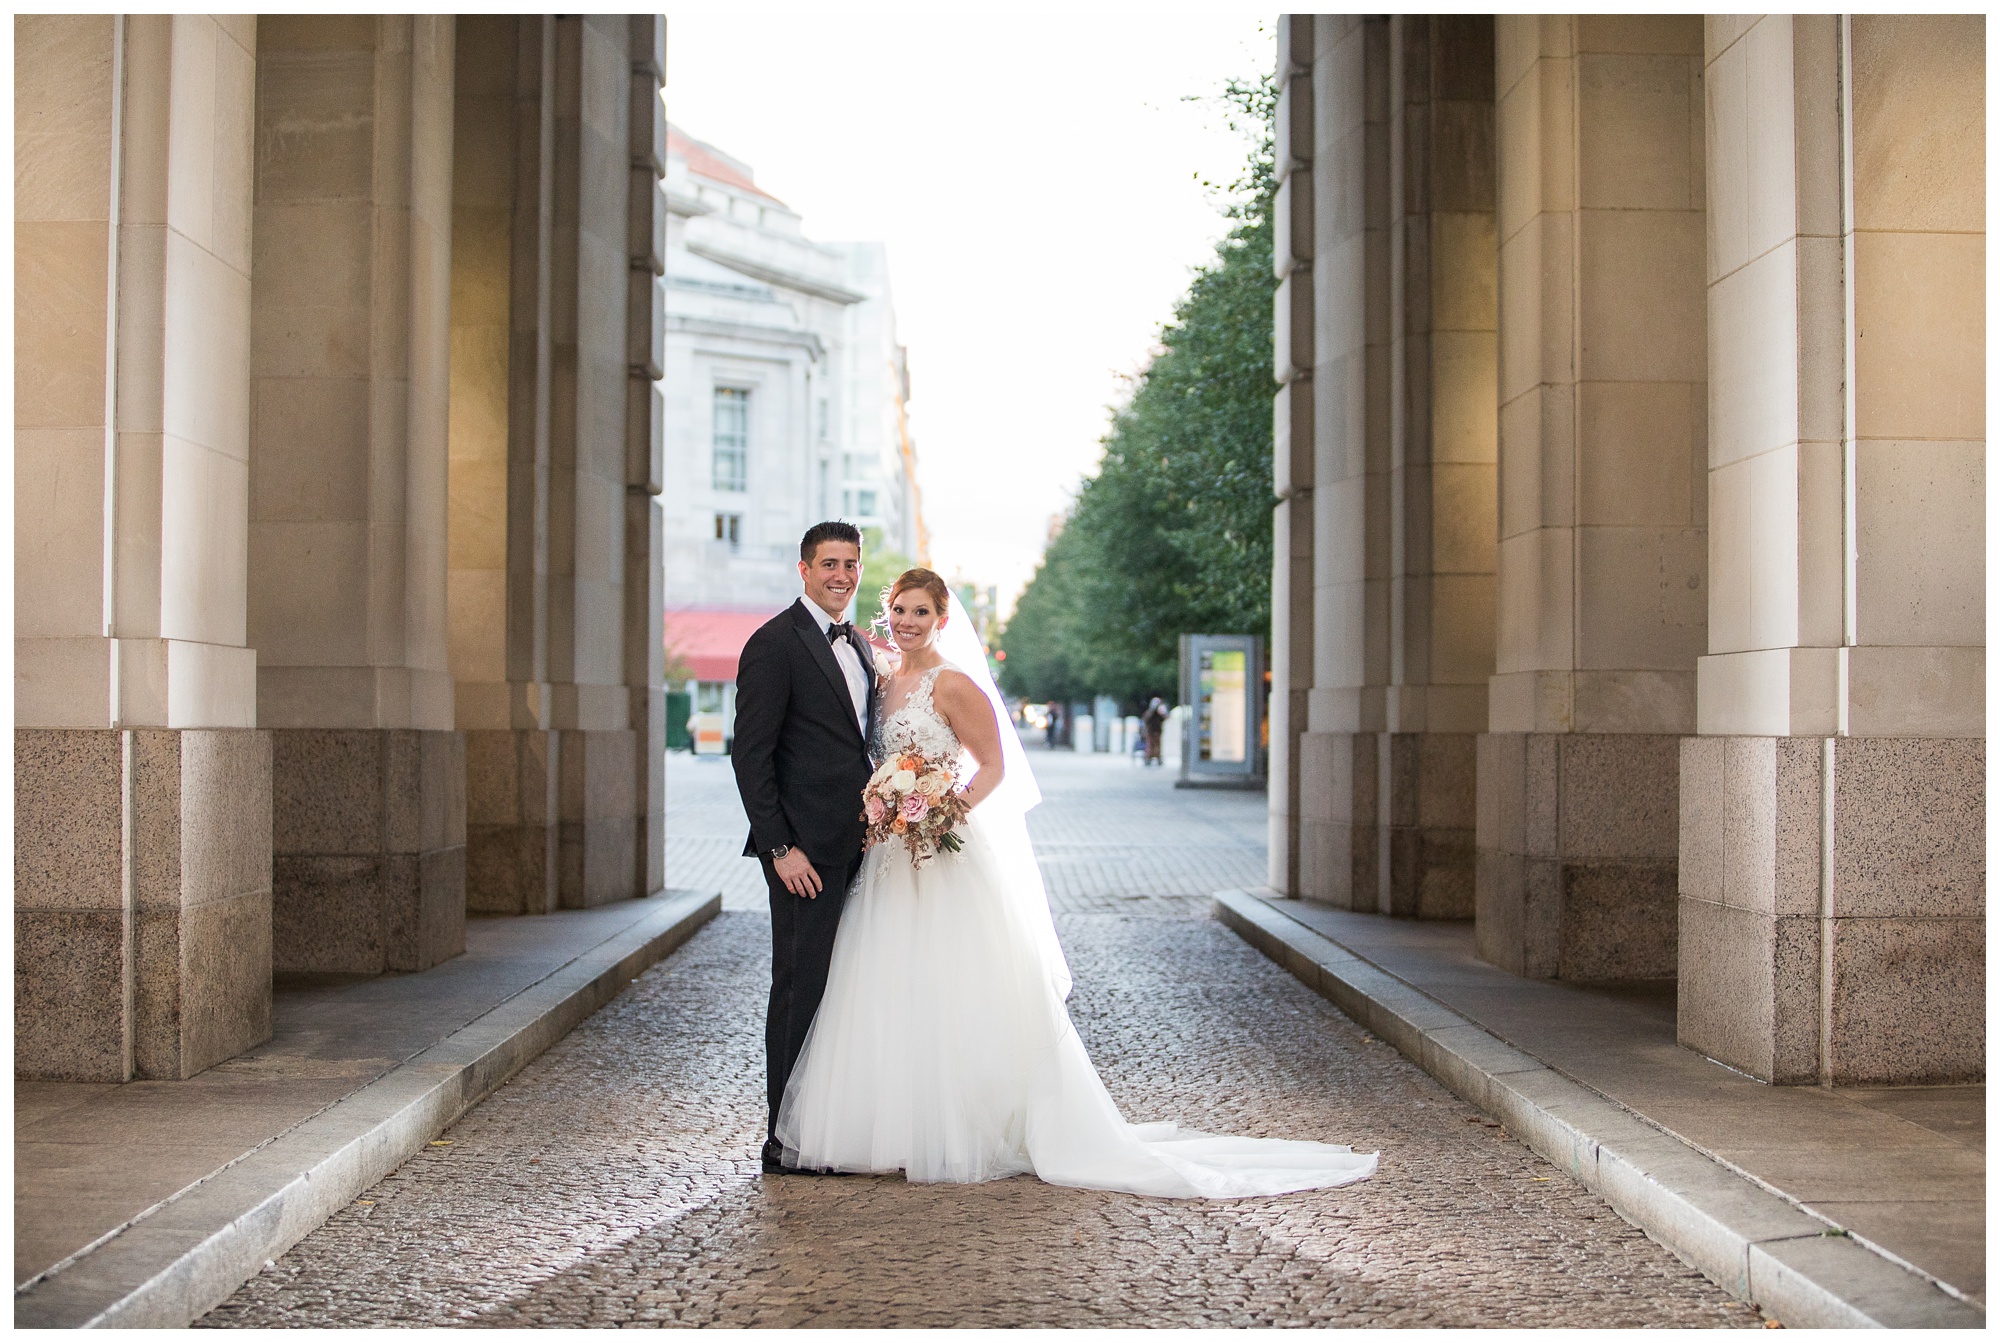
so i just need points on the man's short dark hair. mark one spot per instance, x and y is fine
(820, 533)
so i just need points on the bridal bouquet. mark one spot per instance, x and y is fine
(913, 797)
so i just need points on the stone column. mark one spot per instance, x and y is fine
(1337, 755)
(348, 491)
(142, 877)
(1832, 859)
(587, 512)
(1292, 435)
(645, 669)
(592, 281)
(555, 593)
(502, 205)
(1602, 552)
(1442, 455)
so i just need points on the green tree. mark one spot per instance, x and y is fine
(880, 566)
(1173, 533)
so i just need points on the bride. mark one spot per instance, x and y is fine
(942, 1047)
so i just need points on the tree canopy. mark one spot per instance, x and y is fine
(1172, 535)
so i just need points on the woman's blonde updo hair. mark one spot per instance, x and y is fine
(925, 579)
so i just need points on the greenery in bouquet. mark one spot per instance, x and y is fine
(914, 798)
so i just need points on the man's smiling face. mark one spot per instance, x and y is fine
(832, 575)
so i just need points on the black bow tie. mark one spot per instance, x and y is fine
(839, 629)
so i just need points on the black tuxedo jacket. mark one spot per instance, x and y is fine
(801, 760)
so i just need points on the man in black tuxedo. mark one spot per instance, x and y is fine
(805, 690)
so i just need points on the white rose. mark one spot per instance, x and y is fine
(882, 771)
(903, 780)
(884, 667)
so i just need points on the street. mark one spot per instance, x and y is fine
(615, 1180)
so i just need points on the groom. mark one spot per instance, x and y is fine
(804, 691)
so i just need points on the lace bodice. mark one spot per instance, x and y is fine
(916, 725)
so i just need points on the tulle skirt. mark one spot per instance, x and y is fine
(943, 1049)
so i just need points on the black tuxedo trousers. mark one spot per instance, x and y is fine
(801, 762)
(802, 933)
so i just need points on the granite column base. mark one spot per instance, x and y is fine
(1430, 828)
(142, 901)
(1338, 810)
(512, 833)
(368, 840)
(1577, 849)
(1386, 822)
(1832, 907)
(598, 853)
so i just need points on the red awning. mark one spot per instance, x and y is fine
(710, 641)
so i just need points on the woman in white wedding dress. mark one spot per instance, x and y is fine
(943, 1047)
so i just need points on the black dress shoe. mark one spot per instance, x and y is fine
(774, 1158)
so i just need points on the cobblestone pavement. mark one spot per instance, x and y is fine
(615, 1180)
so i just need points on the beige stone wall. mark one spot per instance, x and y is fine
(348, 571)
(1917, 238)
(1734, 723)
(554, 439)
(1603, 369)
(1602, 562)
(1386, 460)
(273, 506)
(1337, 802)
(503, 194)
(1831, 897)
(142, 878)
(1443, 458)
(130, 542)
(1292, 593)
(353, 241)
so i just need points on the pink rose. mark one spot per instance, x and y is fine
(876, 811)
(915, 806)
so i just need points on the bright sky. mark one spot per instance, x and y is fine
(1034, 176)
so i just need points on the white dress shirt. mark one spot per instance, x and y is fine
(850, 665)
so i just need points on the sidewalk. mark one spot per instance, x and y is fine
(1862, 1206)
(146, 1203)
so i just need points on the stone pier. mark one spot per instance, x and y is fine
(337, 550)
(1629, 593)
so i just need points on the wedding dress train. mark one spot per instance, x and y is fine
(943, 1048)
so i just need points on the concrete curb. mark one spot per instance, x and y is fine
(186, 1255)
(1756, 1244)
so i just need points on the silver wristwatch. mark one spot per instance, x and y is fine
(780, 852)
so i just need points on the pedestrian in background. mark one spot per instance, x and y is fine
(1055, 725)
(1153, 724)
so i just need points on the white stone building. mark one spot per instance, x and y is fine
(785, 405)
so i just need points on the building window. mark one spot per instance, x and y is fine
(729, 527)
(822, 419)
(732, 438)
(865, 502)
(850, 466)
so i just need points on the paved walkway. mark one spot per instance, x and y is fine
(89, 1158)
(1902, 1168)
(615, 1180)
